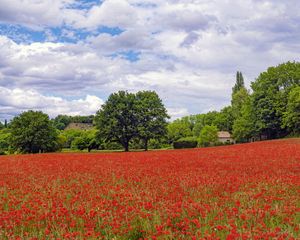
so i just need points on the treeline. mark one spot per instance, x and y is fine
(126, 120)
(270, 109)
(62, 121)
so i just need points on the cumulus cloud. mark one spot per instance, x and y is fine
(32, 13)
(111, 13)
(15, 101)
(188, 50)
(137, 39)
(55, 66)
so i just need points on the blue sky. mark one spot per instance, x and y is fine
(67, 56)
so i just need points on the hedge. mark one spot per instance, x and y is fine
(189, 142)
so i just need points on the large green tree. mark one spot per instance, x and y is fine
(239, 84)
(244, 127)
(291, 117)
(151, 115)
(224, 120)
(117, 119)
(239, 96)
(33, 132)
(270, 97)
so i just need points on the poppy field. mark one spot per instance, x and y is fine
(247, 191)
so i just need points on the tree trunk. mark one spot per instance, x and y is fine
(126, 146)
(146, 145)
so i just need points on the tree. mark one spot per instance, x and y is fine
(224, 120)
(237, 101)
(1, 125)
(201, 120)
(244, 126)
(151, 116)
(33, 132)
(117, 119)
(291, 117)
(4, 140)
(86, 140)
(178, 129)
(270, 97)
(208, 135)
(239, 82)
(61, 121)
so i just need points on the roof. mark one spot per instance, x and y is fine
(224, 134)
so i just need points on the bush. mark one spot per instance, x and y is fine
(188, 142)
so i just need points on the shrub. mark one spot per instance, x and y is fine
(188, 142)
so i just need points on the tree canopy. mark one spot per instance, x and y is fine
(33, 132)
(151, 116)
(270, 97)
(125, 116)
(239, 84)
(291, 118)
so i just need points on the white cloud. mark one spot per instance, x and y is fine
(137, 39)
(15, 101)
(111, 13)
(177, 112)
(33, 13)
(189, 50)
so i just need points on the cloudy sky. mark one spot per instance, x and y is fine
(68, 56)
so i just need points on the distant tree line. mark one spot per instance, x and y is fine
(62, 121)
(270, 109)
(125, 120)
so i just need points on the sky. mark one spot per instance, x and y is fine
(67, 56)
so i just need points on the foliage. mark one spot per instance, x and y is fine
(86, 140)
(178, 129)
(291, 117)
(202, 120)
(270, 111)
(244, 126)
(4, 141)
(238, 100)
(61, 141)
(240, 84)
(208, 136)
(151, 116)
(70, 135)
(187, 142)
(33, 132)
(127, 116)
(270, 97)
(224, 120)
(62, 121)
(117, 119)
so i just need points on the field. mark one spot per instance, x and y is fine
(248, 191)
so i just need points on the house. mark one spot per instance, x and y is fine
(225, 137)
